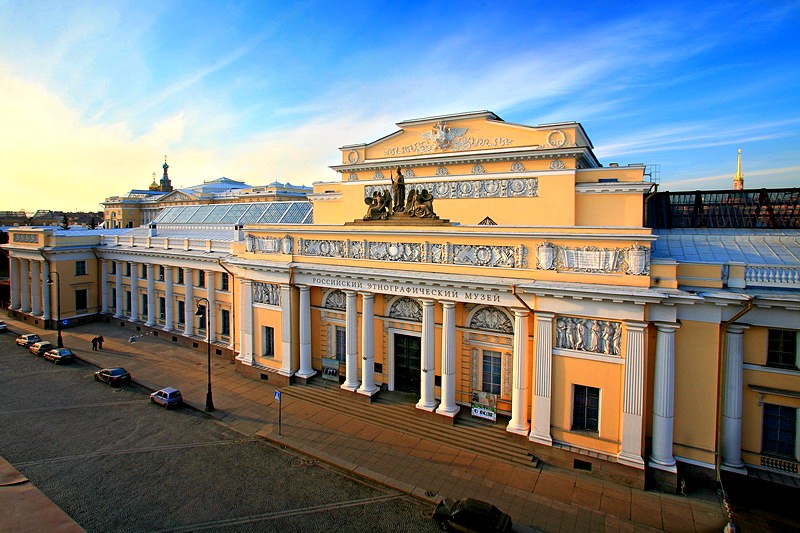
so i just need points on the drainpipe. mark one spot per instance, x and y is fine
(514, 292)
(233, 305)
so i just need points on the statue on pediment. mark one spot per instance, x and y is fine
(379, 204)
(420, 204)
(398, 191)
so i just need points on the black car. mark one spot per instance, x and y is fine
(113, 376)
(470, 515)
(60, 356)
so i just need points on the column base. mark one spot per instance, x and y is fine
(450, 413)
(368, 392)
(285, 373)
(349, 387)
(738, 469)
(430, 406)
(663, 465)
(306, 375)
(519, 430)
(630, 460)
(544, 440)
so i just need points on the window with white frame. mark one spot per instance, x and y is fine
(779, 431)
(491, 372)
(585, 408)
(782, 348)
(267, 341)
(341, 343)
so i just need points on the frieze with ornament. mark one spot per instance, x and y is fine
(270, 245)
(587, 335)
(442, 137)
(413, 252)
(266, 293)
(492, 319)
(488, 188)
(633, 260)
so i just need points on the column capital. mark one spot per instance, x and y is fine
(349, 292)
(367, 295)
(635, 325)
(667, 327)
(736, 328)
(544, 316)
(447, 304)
(303, 288)
(427, 301)
(520, 312)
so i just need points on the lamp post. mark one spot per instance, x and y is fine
(60, 342)
(207, 312)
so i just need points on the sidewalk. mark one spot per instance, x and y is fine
(547, 498)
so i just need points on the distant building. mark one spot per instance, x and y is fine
(141, 206)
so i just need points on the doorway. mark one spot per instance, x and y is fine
(407, 350)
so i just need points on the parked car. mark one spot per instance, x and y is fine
(39, 348)
(26, 340)
(470, 515)
(113, 376)
(3, 327)
(60, 355)
(168, 397)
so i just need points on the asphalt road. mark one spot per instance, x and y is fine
(115, 462)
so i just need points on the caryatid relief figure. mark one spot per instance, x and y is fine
(616, 350)
(399, 191)
(561, 332)
(579, 325)
(571, 331)
(594, 339)
(608, 338)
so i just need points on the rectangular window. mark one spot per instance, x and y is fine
(201, 278)
(127, 301)
(201, 319)
(113, 267)
(80, 268)
(81, 299)
(492, 365)
(226, 322)
(181, 312)
(782, 348)
(180, 276)
(162, 307)
(779, 430)
(144, 271)
(160, 273)
(143, 310)
(225, 282)
(585, 408)
(128, 269)
(268, 341)
(114, 299)
(341, 343)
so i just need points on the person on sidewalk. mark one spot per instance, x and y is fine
(94, 344)
(100, 340)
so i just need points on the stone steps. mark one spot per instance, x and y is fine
(483, 439)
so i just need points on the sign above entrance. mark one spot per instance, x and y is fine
(412, 290)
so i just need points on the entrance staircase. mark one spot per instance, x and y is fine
(397, 411)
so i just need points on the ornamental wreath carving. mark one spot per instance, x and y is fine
(266, 293)
(587, 335)
(336, 300)
(492, 319)
(406, 308)
(478, 188)
(633, 260)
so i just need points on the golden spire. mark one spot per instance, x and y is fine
(738, 179)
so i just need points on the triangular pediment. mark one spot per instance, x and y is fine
(178, 196)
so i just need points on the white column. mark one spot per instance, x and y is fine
(169, 300)
(188, 308)
(119, 299)
(104, 286)
(25, 285)
(134, 291)
(36, 288)
(632, 404)
(14, 281)
(151, 296)
(287, 312)
(46, 290)
(448, 406)
(427, 401)
(520, 393)
(732, 397)
(351, 346)
(306, 370)
(664, 398)
(542, 383)
(368, 386)
(246, 322)
(211, 294)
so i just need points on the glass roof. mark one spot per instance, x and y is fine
(230, 214)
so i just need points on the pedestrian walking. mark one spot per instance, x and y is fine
(100, 340)
(94, 344)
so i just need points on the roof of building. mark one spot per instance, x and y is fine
(755, 247)
(238, 214)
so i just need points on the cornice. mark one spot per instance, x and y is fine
(617, 187)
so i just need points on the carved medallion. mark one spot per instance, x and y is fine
(478, 169)
(517, 167)
(492, 319)
(557, 164)
(407, 309)
(336, 300)
(556, 138)
(441, 171)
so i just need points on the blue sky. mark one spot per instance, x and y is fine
(95, 93)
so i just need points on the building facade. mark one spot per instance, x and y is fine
(484, 269)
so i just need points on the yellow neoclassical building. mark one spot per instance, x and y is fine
(484, 269)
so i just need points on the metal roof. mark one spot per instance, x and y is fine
(755, 247)
(238, 214)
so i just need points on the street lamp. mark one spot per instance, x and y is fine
(207, 312)
(60, 342)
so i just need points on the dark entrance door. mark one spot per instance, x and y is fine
(406, 363)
